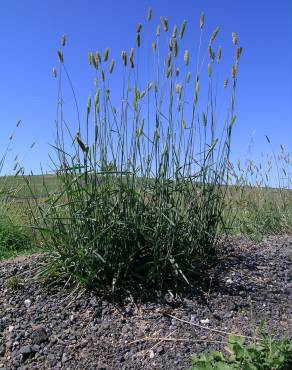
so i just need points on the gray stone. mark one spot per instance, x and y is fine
(39, 335)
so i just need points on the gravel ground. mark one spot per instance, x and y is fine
(43, 328)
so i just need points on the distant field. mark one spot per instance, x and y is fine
(39, 185)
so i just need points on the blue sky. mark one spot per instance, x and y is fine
(30, 33)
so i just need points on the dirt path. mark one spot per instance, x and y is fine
(41, 328)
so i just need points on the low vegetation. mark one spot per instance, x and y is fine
(263, 354)
(14, 239)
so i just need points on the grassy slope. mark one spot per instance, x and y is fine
(38, 183)
(257, 210)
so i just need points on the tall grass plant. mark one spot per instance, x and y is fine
(141, 181)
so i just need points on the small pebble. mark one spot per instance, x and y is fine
(27, 303)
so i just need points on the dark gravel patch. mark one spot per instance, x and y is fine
(42, 328)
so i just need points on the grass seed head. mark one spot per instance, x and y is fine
(178, 88)
(214, 35)
(63, 40)
(186, 57)
(175, 48)
(238, 54)
(164, 23)
(188, 78)
(83, 147)
(182, 29)
(197, 87)
(202, 20)
(90, 55)
(96, 98)
(138, 39)
(60, 56)
(174, 32)
(150, 85)
(211, 53)
(98, 57)
(149, 14)
(139, 28)
(234, 38)
(124, 58)
(225, 83)
(105, 56)
(54, 72)
(197, 90)
(168, 60)
(94, 62)
(170, 46)
(142, 94)
(158, 30)
(234, 71)
(111, 68)
(219, 54)
(154, 46)
(131, 58)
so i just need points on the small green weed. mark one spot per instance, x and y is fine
(13, 283)
(267, 354)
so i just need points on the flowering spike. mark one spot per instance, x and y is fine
(105, 56)
(186, 57)
(63, 40)
(112, 66)
(158, 30)
(164, 23)
(234, 38)
(60, 56)
(182, 29)
(214, 34)
(202, 20)
(149, 14)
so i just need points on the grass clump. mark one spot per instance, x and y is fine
(141, 179)
(266, 354)
(13, 283)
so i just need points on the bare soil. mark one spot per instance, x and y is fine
(45, 328)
